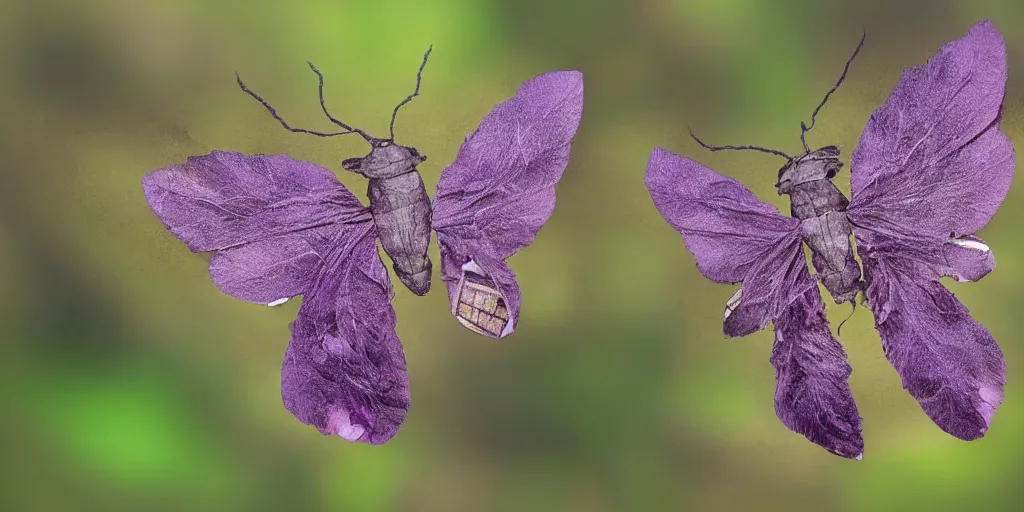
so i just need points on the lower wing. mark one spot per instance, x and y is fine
(947, 361)
(812, 392)
(344, 371)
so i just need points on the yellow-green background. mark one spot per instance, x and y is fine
(129, 382)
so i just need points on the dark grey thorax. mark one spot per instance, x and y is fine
(400, 208)
(821, 208)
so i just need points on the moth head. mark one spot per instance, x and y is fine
(820, 164)
(385, 160)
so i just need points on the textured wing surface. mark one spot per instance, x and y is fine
(270, 220)
(497, 194)
(930, 170)
(812, 392)
(734, 237)
(344, 371)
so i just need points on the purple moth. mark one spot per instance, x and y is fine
(929, 171)
(279, 228)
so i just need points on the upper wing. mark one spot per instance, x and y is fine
(931, 169)
(271, 219)
(494, 198)
(812, 392)
(344, 371)
(735, 238)
(932, 157)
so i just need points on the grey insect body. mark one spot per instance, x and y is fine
(400, 208)
(819, 205)
(821, 208)
(399, 203)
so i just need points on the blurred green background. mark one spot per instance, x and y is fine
(131, 383)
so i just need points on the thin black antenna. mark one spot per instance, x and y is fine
(804, 128)
(324, 107)
(756, 148)
(839, 329)
(273, 112)
(419, 76)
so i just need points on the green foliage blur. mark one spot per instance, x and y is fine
(130, 382)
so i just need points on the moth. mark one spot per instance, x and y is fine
(929, 171)
(280, 228)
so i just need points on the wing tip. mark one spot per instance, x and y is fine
(985, 26)
(569, 76)
(569, 82)
(660, 152)
(965, 423)
(150, 185)
(985, 33)
(154, 191)
(968, 435)
(849, 446)
(659, 157)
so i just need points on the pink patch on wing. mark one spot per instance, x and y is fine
(339, 424)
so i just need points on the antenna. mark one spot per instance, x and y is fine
(804, 128)
(273, 112)
(419, 76)
(755, 148)
(324, 107)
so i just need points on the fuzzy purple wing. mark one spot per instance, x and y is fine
(344, 371)
(270, 219)
(930, 170)
(812, 392)
(734, 237)
(497, 194)
(932, 157)
(947, 361)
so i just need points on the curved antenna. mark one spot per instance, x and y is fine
(755, 148)
(419, 76)
(839, 330)
(328, 114)
(804, 128)
(273, 113)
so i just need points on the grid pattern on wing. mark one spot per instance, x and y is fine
(480, 306)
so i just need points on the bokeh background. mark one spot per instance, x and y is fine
(129, 382)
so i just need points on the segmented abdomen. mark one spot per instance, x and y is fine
(401, 212)
(828, 236)
(821, 208)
